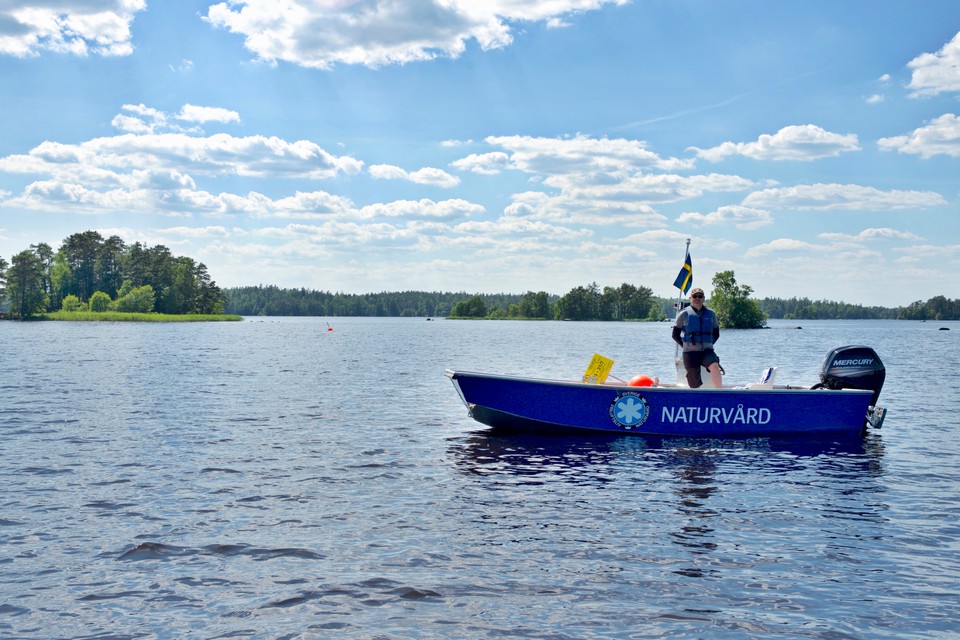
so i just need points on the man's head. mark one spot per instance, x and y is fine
(696, 298)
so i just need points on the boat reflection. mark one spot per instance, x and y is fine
(707, 492)
(488, 451)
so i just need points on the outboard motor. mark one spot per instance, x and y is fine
(853, 367)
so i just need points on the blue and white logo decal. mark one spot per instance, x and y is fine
(629, 410)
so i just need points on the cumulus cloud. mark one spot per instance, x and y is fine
(939, 137)
(321, 33)
(100, 27)
(882, 233)
(193, 113)
(424, 209)
(594, 181)
(147, 168)
(796, 142)
(783, 245)
(115, 158)
(583, 154)
(935, 73)
(740, 217)
(578, 209)
(483, 163)
(426, 175)
(841, 197)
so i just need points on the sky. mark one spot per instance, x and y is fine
(504, 146)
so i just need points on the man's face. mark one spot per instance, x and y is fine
(696, 301)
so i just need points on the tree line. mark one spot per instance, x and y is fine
(626, 302)
(591, 302)
(90, 272)
(936, 308)
(270, 300)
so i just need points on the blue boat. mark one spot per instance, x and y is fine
(844, 401)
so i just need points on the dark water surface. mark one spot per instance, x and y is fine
(272, 479)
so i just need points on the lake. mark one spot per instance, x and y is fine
(273, 479)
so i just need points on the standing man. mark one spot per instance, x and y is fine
(696, 330)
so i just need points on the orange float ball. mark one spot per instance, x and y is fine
(641, 380)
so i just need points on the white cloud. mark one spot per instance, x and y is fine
(193, 113)
(583, 154)
(426, 175)
(883, 233)
(118, 156)
(744, 218)
(875, 98)
(578, 209)
(101, 27)
(935, 73)
(940, 137)
(321, 33)
(922, 251)
(796, 142)
(595, 181)
(484, 163)
(783, 245)
(424, 209)
(841, 197)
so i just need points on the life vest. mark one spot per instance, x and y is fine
(699, 327)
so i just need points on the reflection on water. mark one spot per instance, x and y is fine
(489, 451)
(696, 489)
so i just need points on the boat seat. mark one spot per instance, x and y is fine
(766, 379)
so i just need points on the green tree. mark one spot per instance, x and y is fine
(474, 307)
(210, 298)
(139, 300)
(46, 256)
(109, 265)
(25, 285)
(72, 303)
(733, 305)
(535, 305)
(580, 303)
(99, 302)
(81, 251)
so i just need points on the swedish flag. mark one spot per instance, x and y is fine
(685, 278)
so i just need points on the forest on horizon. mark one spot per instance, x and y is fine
(271, 300)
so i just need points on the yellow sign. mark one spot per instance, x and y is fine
(598, 369)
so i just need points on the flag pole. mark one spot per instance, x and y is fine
(676, 347)
(680, 295)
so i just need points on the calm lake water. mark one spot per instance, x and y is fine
(272, 479)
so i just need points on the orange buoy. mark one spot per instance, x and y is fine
(641, 380)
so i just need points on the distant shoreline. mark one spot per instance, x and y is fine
(116, 316)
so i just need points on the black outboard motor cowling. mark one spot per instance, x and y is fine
(853, 367)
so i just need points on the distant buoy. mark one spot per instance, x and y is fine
(641, 380)
(329, 328)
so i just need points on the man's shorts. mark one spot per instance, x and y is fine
(693, 360)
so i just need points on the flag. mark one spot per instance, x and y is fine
(685, 278)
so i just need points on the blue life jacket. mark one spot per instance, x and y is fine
(699, 327)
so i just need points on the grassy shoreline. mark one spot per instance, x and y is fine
(116, 316)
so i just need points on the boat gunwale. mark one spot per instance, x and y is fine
(661, 388)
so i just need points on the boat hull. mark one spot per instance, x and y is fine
(557, 406)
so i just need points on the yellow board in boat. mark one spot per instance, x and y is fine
(598, 369)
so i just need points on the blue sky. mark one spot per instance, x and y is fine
(811, 146)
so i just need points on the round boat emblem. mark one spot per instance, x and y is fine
(629, 410)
